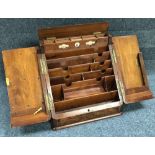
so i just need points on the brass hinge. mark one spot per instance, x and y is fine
(43, 66)
(121, 89)
(7, 81)
(113, 56)
(49, 102)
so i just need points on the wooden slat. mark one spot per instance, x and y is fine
(77, 60)
(87, 100)
(80, 69)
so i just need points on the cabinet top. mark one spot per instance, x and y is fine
(73, 30)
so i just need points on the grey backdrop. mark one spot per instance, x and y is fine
(137, 119)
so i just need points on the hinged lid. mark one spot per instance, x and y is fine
(132, 78)
(25, 91)
(73, 30)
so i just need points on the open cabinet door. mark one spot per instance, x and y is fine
(24, 87)
(131, 72)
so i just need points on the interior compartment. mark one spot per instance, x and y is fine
(53, 50)
(80, 76)
(76, 60)
(87, 100)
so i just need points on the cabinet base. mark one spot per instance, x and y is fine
(85, 118)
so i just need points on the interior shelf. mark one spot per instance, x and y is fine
(80, 76)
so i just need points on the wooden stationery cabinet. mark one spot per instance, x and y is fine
(78, 74)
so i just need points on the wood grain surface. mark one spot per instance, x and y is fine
(24, 89)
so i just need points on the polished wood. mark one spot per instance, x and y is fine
(55, 47)
(24, 89)
(84, 115)
(81, 76)
(30, 119)
(88, 99)
(78, 74)
(73, 30)
(88, 67)
(131, 68)
(75, 52)
(76, 60)
(127, 52)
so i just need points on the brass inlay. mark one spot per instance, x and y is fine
(49, 101)
(43, 66)
(63, 46)
(114, 56)
(37, 111)
(7, 81)
(90, 43)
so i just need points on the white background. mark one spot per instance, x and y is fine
(77, 146)
(77, 8)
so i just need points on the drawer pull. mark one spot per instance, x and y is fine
(90, 43)
(63, 46)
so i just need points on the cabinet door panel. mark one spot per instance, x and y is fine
(24, 86)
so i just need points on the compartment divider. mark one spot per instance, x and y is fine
(76, 52)
(55, 46)
(80, 68)
(80, 76)
(109, 83)
(87, 100)
(76, 60)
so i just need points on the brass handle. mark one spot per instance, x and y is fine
(63, 46)
(90, 43)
